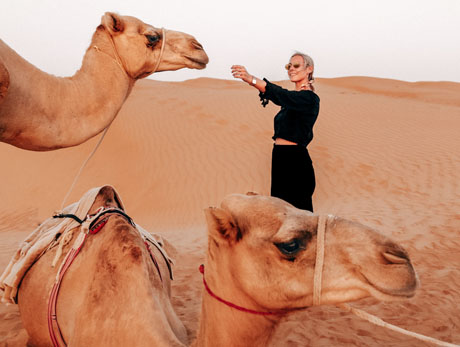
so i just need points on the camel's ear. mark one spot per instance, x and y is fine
(221, 225)
(113, 23)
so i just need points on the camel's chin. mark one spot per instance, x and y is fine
(201, 67)
(197, 66)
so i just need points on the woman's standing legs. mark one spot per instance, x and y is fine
(293, 176)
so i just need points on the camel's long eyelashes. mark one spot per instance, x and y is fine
(294, 246)
(152, 40)
(291, 248)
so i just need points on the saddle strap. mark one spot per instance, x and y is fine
(53, 324)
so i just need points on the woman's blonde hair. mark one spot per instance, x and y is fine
(308, 62)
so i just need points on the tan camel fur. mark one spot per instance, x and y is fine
(261, 256)
(111, 295)
(42, 112)
(4, 81)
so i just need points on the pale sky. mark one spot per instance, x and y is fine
(410, 40)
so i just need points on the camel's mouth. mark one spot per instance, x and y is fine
(403, 291)
(198, 63)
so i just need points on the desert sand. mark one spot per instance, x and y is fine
(386, 153)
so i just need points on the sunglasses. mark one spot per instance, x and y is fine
(295, 66)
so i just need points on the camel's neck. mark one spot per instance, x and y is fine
(221, 325)
(101, 85)
(101, 65)
(56, 112)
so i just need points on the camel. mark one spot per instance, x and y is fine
(261, 258)
(112, 294)
(41, 112)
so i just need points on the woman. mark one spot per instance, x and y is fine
(293, 177)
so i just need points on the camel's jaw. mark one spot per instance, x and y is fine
(364, 286)
(196, 60)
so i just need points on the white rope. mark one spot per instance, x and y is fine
(163, 42)
(377, 321)
(318, 276)
(320, 240)
(83, 166)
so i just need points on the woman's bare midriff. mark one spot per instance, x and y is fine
(280, 141)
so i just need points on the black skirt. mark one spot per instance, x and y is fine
(293, 177)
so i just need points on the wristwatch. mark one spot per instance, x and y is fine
(253, 82)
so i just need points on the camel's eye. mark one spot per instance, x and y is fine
(152, 40)
(291, 248)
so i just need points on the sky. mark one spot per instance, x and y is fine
(409, 40)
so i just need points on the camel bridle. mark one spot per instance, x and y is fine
(163, 43)
(320, 241)
(119, 61)
(317, 277)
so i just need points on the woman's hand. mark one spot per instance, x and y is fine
(239, 71)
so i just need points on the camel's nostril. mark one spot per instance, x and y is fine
(397, 257)
(394, 254)
(197, 45)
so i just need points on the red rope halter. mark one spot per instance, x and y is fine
(240, 308)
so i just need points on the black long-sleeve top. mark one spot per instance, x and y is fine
(299, 111)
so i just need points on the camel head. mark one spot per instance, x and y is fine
(262, 251)
(106, 198)
(139, 46)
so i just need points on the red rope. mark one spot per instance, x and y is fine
(98, 226)
(52, 317)
(228, 303)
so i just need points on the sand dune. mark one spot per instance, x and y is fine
(386, 153)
